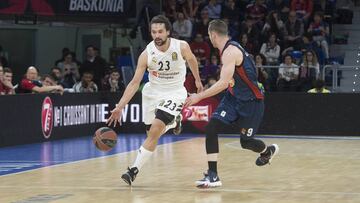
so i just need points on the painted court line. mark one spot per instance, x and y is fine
(165, 189)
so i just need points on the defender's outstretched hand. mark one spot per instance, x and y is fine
(192, 99)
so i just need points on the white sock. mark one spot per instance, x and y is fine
(212, 157)
(142, 157)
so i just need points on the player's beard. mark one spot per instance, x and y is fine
(159, 42)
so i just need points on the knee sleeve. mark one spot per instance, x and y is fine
(212, 129)
(252, 144)
(164, 116)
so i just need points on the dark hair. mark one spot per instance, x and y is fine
(56, 68)
(161, 19)
(65, 50)
(219, 27)
(114, 70)
(7, 70)
(88, 72)
(90, 46)
(308, 35)
(286, 55)
(319, 13)
(263, 58)
(43, 77)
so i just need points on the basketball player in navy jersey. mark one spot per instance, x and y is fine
(242, 105)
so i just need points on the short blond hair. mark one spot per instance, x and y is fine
(219, 27)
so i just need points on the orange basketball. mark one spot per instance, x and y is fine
(105, 139)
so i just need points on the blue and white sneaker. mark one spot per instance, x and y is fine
(211, 179)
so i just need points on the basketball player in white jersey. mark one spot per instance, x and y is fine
(164, 95)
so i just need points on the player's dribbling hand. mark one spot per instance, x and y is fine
(199, 86)
(192, 99)
(114, 117)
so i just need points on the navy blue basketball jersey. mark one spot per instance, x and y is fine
(244, 84)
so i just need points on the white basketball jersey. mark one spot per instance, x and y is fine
(166, 68)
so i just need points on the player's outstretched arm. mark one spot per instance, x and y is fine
(227, 71)
(130, 90)
(194, 66)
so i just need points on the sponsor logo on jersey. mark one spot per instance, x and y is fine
(174, 56)
(154, 73)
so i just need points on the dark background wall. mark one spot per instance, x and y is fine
(287, 114)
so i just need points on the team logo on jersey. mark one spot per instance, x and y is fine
(153, 60)
(174, 56)
(47, 117)
(232, 83)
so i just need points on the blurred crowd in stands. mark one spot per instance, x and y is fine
(288, 39)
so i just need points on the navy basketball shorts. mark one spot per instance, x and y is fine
(244, 115)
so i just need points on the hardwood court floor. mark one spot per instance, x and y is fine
(305, 170)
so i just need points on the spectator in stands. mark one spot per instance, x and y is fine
(214, 9)
(303, 9)
(294, 29)
(94, 64)
(252, 30)
(309, 71)
(288, 75)
(113, 83)
(260, 62)
(210, 82)
(86, 84)
(64, 52)
(56, 74)
(3, 60)
(232, 12)
(344, 12)
(1, 73)
(200, 48)
(273, 24)
(3, 88)
(184, 7)
(70, 71)
(233, 31)
(6, 86)
(47, 80)
(319, 87)
(170, 9)
(271, 50)
(246, 44)
(212, 68)
(198, 5)
(30, 83)
(320, 32)
(183, 27)
(282, 7)
(202, 26)
(257, 11)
